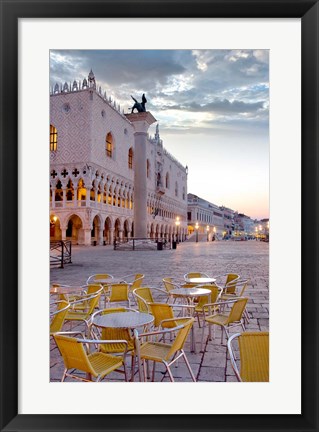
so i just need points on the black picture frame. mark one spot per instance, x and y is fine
(11, 11)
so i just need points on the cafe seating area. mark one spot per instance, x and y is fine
(120, 328)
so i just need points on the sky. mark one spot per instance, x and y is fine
(212, 107)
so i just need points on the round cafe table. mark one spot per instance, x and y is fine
(129, 320)
(189, 294)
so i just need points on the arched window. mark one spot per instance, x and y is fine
(130, 158)
(53, 138)
(109, 145)
(176, 189)
(167, 181)
(69, 191)
(81, 191)
(148, 166)
(183, 192)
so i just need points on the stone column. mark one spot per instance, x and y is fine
(141, 122)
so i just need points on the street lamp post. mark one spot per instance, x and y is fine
(196, 228)
(177, 223)
(207, 229)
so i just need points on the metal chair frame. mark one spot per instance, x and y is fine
(226, 327)
(167, 365)
(87, 343)
(232, 353)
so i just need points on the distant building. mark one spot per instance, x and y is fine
(91, 171)
(209, 217)
(243, 225)
(219, 221)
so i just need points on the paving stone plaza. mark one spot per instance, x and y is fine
(250, 259)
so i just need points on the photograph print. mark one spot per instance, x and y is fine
(159, 215)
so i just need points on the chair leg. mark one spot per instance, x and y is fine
(64, 374)
(144, 370)
(202, 341)
(189, 367)
(133, 367)
(125, 372)
(153, 374)
(170, 373)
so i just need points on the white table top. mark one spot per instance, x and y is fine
(123, 320)
(190, 292)
(201, 280)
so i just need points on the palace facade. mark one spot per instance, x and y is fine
(92, 171)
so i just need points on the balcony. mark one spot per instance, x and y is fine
(160, 189)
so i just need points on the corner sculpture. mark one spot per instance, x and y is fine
(140, 106)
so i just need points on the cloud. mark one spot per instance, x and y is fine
(184, 88)
(220, 106)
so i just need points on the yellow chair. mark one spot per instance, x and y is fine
(233, 292)
(58, 316)
(164, 316)
(111, 333)
(254, 356)
(170, 284)
(119, 293)
(95, 278)
(228, 319)
(195, 275)
(96, 364)
(88, 290)
(133, 280)
(144, 295)
(229, 282)
(89, 302)
(162, 352)
(214, 296)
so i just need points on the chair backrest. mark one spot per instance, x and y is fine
(88, 302)
(168, 284)
(230, 284)
(254, 356)
(92, 288)
(137, 281)
(143, 296)
(58, 316)
(97, 277)
(241, 286)
(162, 311)
(237, 310)
(180, 338)
(119, 292)
(73, 353)
(215, 291)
